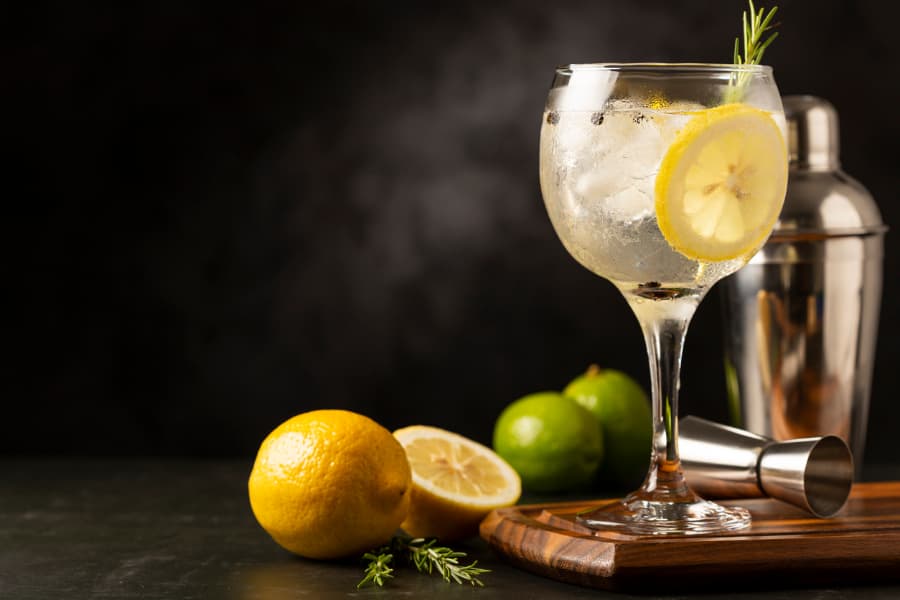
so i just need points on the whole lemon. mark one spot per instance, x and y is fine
(621, 407)
(554, 443)
(330, 483)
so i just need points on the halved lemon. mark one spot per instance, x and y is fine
(456, 483)
(721, 183)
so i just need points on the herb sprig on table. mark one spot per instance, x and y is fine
(425, 556)
(754, 29)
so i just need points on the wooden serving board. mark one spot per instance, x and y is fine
(784, 546)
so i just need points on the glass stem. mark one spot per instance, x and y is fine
(664, 336)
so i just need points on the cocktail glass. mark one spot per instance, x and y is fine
(663, 179)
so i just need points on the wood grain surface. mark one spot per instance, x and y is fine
(783, 546)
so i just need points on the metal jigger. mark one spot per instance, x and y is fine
(725, 462)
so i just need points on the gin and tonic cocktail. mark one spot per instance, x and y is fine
(663, 179)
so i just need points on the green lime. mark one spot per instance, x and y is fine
(552, 442)
(621, 407)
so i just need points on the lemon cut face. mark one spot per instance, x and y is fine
(721, 183)
(456, 482)
(457, 468)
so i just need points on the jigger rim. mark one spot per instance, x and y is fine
(826, 476)
(828, 503)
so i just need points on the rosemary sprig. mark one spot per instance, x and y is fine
(754, 28)
(425, 556)
(378, 570)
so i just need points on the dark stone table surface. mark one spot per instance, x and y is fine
(182, 529)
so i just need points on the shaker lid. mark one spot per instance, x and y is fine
(812, 126)
(821, 201)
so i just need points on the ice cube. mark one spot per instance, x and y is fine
(573, 135)
(616, 192)
(630, 204)
(588, 89)
(599, 184)
(634, 144)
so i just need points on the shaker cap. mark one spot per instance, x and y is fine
(821, 201)
(812, 125)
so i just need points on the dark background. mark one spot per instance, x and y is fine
(222, 217)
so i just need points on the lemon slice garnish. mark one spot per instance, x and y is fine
(721, 183)
(456, 482)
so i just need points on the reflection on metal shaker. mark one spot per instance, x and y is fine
(801, 318)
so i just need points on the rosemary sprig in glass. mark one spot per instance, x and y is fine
(425, 556)
(754, 28)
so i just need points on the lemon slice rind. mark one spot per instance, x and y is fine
(721, 183)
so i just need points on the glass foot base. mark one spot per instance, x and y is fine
(640, 516)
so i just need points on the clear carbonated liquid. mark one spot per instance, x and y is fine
(598, 171)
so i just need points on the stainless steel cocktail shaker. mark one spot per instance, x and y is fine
(801, 318)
